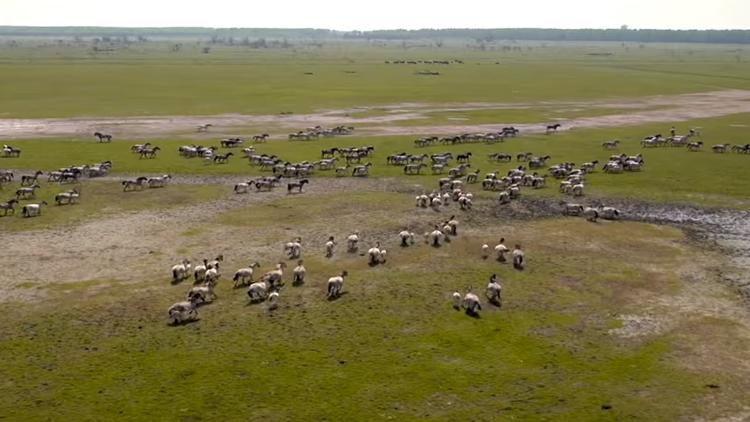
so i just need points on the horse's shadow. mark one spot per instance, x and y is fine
(334, 298)
(473, 314)
(182, 323)
(254, 302)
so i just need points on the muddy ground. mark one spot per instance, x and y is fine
(674, 108)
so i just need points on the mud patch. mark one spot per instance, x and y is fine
(639, 325)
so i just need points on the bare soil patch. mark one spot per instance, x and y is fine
(127, 247)
(671, 108)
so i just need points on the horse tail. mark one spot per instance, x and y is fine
(175, 274)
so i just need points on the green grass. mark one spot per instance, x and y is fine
(101, 199)
(671, 174)
(390, 348)
(149, 80)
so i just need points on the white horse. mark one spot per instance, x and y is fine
(182, 312)
(202, 294)
(336, 285)
(407, 238)
(298, 274)
(32, 210)
(293, 249)
(494, 292)
(274, 277)
(243, 275)
(376, 254)
(352, 242)
(435, 238)
(258, 291)
(519, 258)
(273, 300)
(471, 304)
(500, 251)
(181, 271)
(456, 298)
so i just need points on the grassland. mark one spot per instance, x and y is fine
(610, 321)
(546, 353)
(149, 80)
(671, 175)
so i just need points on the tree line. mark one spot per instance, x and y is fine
(436, 35)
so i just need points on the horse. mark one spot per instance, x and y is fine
(296, 185)
(9, 206)
(149, 152)
(553, 128)
(103, 137)
(222, 159)
(30, 180)
(136, 184)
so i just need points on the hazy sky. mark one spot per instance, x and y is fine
(382, 14)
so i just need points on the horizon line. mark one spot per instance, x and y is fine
(372, 30)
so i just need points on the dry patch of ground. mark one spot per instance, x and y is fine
(672, 108)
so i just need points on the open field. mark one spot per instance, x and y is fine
(142, 80)
(639, 318)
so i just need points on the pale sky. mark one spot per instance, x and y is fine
(381, 14)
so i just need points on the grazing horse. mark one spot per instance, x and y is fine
(296, 185)
(553, 128)
(103, 137)
(9, 206)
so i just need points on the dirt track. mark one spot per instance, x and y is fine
(673, 108)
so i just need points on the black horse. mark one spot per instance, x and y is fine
(103, 137)
(553, 128)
